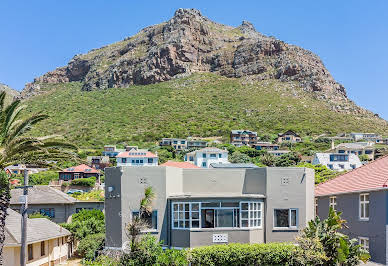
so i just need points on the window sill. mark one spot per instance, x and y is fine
(285, 229)
(150, 231)
(219, 229)
(363, 219)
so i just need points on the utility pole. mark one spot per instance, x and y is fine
(23, 211)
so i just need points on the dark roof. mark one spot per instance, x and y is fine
(38, 229)
(289, 132)
(233, 165)
(42, 195)
(372, 176)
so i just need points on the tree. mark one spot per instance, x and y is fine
(267, 159)
(287, 159)
(238, 157)
(322, 173)
(339, 249)
(16, 148)
(138, 222)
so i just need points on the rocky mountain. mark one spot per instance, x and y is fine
(189, 43)
(10, 92)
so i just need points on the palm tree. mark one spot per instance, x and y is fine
(138, 222)
(16, 148)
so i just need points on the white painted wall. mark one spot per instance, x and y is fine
(132, 161)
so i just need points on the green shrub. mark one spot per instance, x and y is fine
(42, 178)
(145, 252)
(173, 257)
(84, 182)
(88, 247)
(101, 261)
(37, 215)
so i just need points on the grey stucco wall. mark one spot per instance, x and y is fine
(292, 195)
(374, 229)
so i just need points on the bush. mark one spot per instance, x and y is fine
(145, 252)
(84, 182)
(173, 257)
(42, 178)
(238, 157)
(94, 195)
(101, 261)
(88, 247)
(38, 215)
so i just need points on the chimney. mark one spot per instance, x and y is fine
(332, 144)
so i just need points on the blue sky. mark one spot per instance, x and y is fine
(351, 37)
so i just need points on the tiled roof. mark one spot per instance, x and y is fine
(38, 229)
(137, 154)
(82, 168)
(42, 195)
(368, 177)
(179, 164)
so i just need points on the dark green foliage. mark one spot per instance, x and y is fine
(90, 245)
(339, 249)
(84, 182)
(288, 159)
(145, 252)
(172, 257)
(86, 222)
(322, 173)
(42, 178)
(38, 215)
(267, 159)
(238, 157)
(199, 105)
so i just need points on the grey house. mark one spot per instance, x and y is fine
(362, 197)
(52, 202)
(196, 207)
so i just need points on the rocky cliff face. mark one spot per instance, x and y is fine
(10, 92)
(188, 43)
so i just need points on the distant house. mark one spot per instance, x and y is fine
(382, 141)
(193, 143)
(177, 144)
(278, 153)
(289, 136)
(240, 138)
(265, 146)
(364, 136)
(337, 161)
(79, 171)
(111, 151)
(47, 242)
(137, 158)
(204, 157)
(18, 169)
(52, 202)
(362, 196)
(358, 148)
(98, 162)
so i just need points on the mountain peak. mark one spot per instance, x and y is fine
(185, 12)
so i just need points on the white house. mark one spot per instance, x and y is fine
(365, 136)
(47, 242)
(337, 161)
(137, 158)
(206, 156)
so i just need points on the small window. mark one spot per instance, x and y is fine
(333, 202)
(183, 142)
(50, 212)
(150, 160)
(30, 252)
(133, 161)
(141, 161)
(368, 152)
(213, 155)
(285, 218)
(151, 219)
(204, 164)
(330, 166)
(124, 160)
(220, 155)
(364, 206)
(341, 166)
(364, 242)
(203, 155)
(42, 248)
(137, 161)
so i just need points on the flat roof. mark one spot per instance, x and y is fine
(216, 195)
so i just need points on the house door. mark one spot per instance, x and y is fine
(207, 218)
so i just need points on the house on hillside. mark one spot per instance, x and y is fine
(52, 202)
(240, 138)
(193, 143)
(362, 197)
(137, 158)
(177, 144)
(201, 207)
(289, 136)
(265, 146)
(364, 136)
(358, 148)
(18, 169)
(47, 242)
(204, 157)
(337, 161)
(278, 153)
(98, 162)
(79, 171)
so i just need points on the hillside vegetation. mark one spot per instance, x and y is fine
(198, 105)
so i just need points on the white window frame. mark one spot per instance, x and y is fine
(362, 204)
(333, 202)
(290, 227)
(251, 212)
(184, 219)
(363, 241)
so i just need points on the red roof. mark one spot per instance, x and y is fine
(368, 177)
(82, 168)
(137, 154)
(179, 164)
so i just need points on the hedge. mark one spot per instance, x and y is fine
(88, 247)
(244, 254)
(84, 182)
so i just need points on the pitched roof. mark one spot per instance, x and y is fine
(179, 164)
(38, 229)
(368, 177)
(289, 132)
(42, 195)
(82, 168)
(324, 158)
(241, 131)
(208, 150)
(137, 154)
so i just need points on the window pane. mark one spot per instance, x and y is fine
(244, 206)
(175, 224)
(366, 210)
(244, 214)
(362, 211)
(195, 224)
(195, 215)
(187, 208)
(175, 215)
(211, 204)
(187, 215)
(367, 197)
(281, 218)
(293, 217)
(187, 224)
(207, 218)
(229, 204)
(181, 224)
(181, 215)
(244, 223)
(195, 207)
(181, 207)
(225, 218)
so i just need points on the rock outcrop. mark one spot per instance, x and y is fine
(10, 92)
(188, 43)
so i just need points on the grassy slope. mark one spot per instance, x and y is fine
(200, 105)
